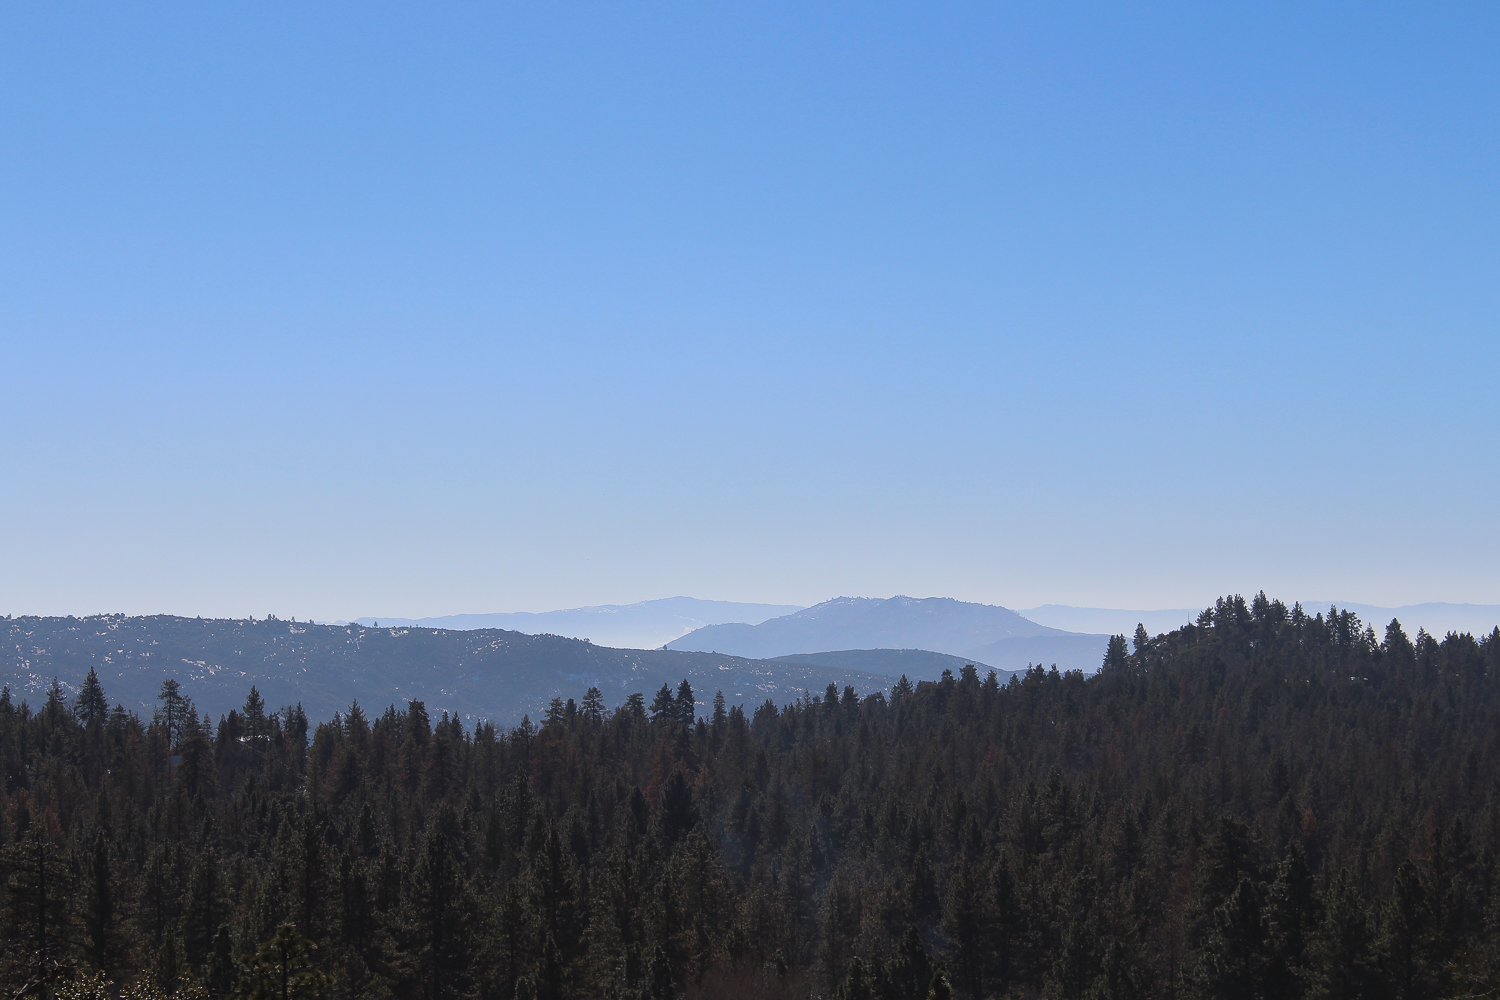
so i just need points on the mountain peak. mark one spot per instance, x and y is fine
(939, 624)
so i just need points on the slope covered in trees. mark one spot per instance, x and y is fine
(479, 673)
(1262, 804)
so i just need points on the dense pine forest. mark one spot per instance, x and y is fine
(1263, 804)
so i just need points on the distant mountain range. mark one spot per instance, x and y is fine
(979, 632)
(1437, 618)
(643, 625)
(480, 672)
(476, 674)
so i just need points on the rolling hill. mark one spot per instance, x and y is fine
(481, 673)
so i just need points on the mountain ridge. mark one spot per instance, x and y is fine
(642, 625)
(988, 632)
(492, 674)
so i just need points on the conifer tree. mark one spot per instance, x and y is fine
(856, 984)
(254, 712)
(437, 921)
(205, 907)
(166, 966)
(222, 973)
(1234, 961)
(910, 971)
(1406, 937)
(92, 708)
(660, 983)
(1291, 918)
(172, 712)
(312, 879)
(1119, 975)
(106, 941)
(663, 706)
(41, 929)
(283, 969)
(593, 707)
(1343, 967)
(967, 924)
(1116, 654)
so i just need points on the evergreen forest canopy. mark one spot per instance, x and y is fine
(1260, 804)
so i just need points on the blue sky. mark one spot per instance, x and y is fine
(333, 310)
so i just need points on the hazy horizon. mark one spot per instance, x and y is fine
(1073, 618)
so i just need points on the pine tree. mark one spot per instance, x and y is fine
(205, 907)
(902, 690)
(1400, 656)
(106, 939)
(1119, 975)
(283, 969)
(593, 707)
(660, 983)
(546, 981)
(1141, 641)
(1116, 654)
(222, 973)
(967, 923)
(1342, 953)
(856, 984)
(663, 706)
(1228, 856)
(677, 814)
(356, 918)
(1291, 918)
(254, 712)
(312, 879)
(438, 921)
(173, 712)
(41, 928)
(1406, 937)
(1234, 958)
(92, 708)
(160, 897)
(166, 967)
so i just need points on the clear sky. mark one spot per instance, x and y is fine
(331, 310)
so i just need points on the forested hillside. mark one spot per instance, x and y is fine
(487, 674)
(1263, 804)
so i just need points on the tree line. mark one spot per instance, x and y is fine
(1264, 803)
